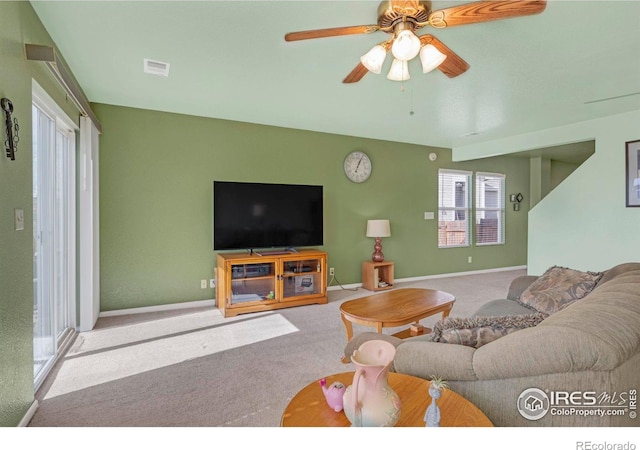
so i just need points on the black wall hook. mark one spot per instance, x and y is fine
(11, 144)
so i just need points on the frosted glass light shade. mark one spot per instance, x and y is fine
(399, 71)
(431, 58)
(406, 46)
(378, 228)
(374, 59)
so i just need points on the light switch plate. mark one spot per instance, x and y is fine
(19, 219)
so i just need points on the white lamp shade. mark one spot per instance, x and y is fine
(406, 45)
(378, 228)
(431, 58)
(374, 59)
(399, 71)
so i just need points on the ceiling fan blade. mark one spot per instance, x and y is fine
(484, 12)
(453, 65)
(356, 74)
(330, 32)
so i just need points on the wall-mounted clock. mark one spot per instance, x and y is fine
(357, 167)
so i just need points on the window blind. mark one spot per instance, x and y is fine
(489, 212)
(454, 199)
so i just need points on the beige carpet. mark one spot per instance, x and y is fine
(193, 367)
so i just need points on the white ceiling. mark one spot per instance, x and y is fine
(578, 60)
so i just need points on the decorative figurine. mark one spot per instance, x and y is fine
(432, 416)
(333, 394)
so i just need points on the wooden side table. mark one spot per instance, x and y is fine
(374, 273)
(308, 408)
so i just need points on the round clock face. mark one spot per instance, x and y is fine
(357, 167)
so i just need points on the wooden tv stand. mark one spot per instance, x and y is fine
(253, 282)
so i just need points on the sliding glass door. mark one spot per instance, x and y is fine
(53, 233)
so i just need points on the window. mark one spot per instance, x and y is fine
(454, 199)
(54, 233)
(489, 208)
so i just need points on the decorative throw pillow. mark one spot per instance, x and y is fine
(478, 331)
(557, 288)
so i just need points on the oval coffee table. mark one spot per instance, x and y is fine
(308, 407)
(395, 308)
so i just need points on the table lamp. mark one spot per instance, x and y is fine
(378, 229)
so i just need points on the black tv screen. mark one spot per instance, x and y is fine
(262, 215)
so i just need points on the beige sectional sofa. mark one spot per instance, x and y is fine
(584, 359)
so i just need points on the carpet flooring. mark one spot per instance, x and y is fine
(194, 368)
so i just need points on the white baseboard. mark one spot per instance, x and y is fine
(461, 274)
(430, 277)
(344, 286)
(158, 308)
(29, 414)
(212, 303)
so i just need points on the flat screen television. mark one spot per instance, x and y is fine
(263, 215)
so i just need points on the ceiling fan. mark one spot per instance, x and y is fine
(402, 18)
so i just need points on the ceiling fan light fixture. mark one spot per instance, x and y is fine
(374, 59)
(406, 45)
(399, 70)
(431, 57)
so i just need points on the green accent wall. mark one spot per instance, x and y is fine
(19, 25)
(156, 175)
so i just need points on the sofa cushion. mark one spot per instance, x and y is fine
(620, 269)
(503, 307)
(478, 331)
(557, 288)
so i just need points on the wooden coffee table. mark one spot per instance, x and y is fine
(395, 308)
(308, 407)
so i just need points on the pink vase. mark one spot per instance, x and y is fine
(370, 401)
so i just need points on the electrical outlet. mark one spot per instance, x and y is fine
(332, 271)
(470, 260)
(203, 284)
(212, 283)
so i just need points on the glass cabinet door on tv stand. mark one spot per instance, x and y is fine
(251, 282)
(302, 277)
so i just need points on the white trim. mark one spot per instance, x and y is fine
(455, 171)
(158, 308)
(212, 303)
(431, 277)
(49, 105)
(461, 274)
(491, 174)
(344, 286)
(29, 414)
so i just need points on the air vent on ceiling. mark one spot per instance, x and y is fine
(156, 67)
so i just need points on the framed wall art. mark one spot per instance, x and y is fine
(633, 173)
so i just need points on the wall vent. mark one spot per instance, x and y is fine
(156, 67)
